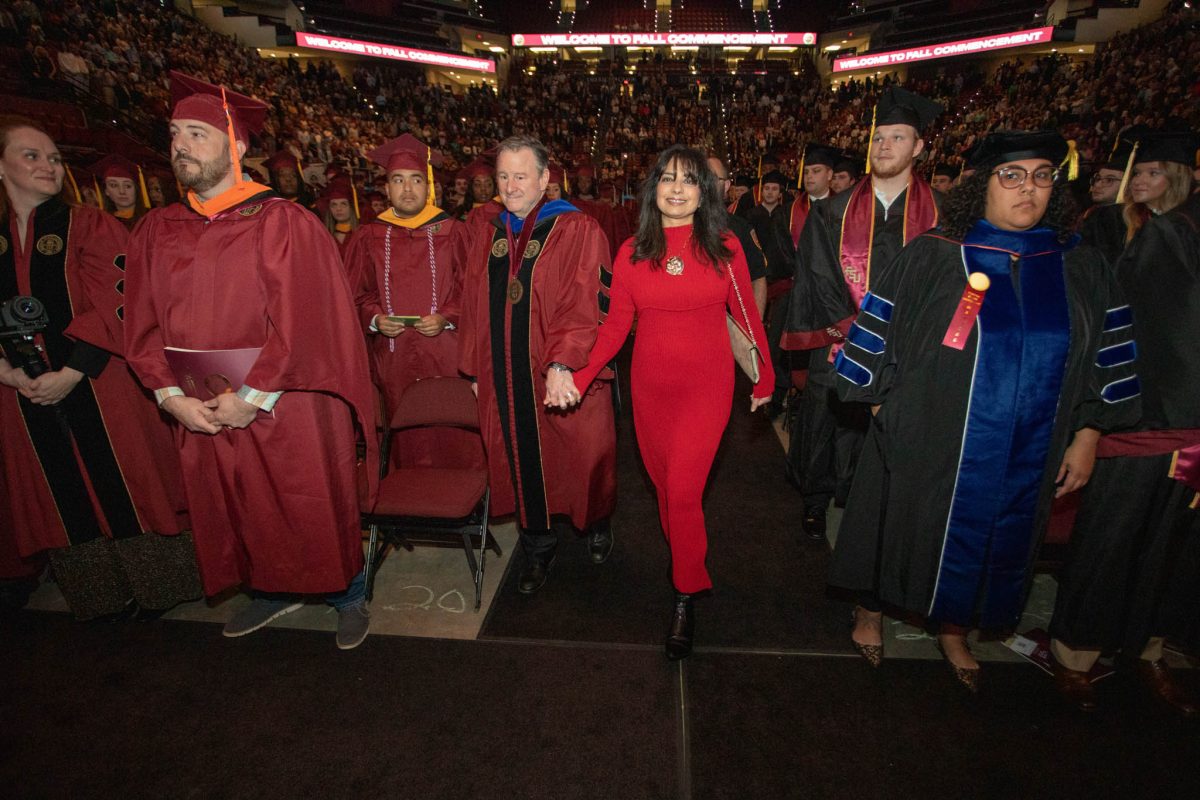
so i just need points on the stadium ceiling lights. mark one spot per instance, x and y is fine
(589, 49)
(781, 49)
(543, 49)
(736, 49)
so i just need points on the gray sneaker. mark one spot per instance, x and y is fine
(353, 625)
(259, 613)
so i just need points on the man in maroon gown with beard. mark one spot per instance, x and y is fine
(528, 321)
(269, 469)
(409, 262)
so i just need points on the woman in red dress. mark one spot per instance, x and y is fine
(675, 275)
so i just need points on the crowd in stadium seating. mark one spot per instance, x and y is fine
(122, 50)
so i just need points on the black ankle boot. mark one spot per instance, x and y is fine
(683, 621)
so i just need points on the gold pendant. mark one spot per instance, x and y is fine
(674, 265)
(515, 291)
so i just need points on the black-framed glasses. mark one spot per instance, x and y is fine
(1014, 177)
(1105, 179)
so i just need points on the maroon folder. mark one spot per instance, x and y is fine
(208, 373)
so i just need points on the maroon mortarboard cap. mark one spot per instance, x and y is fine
(115, 166)
(339, 190)
(479, 166)
(334, 172)
(557, 174)
(405, 152)
(200, 100)
(585, 171)
(607, 188)
(284, 159)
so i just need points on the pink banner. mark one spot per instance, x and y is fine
(661, 39)
(395, 52)
(945, 50)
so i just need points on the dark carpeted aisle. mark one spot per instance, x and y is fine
(801, 727)
(769, 584)
(172, 709)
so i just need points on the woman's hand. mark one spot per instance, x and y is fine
(14, 378)
(51, 388)
(1077, 462)
(757, 402)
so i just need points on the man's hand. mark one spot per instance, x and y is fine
(757, 402)
(1078, 462)
(560, 389)
(232, 411)
(51, 388)
(387, 327)
(431, 325)
(192, 414)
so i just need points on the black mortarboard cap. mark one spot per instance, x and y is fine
(902, 107)
(942, 168)
(821, 154)
(1001, 147)
(775, 176)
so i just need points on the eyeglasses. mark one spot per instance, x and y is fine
(1103, 179)
(1014, 177)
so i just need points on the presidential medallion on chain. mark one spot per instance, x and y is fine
(674, 265)
(515, 291)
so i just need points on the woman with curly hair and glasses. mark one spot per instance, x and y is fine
(980, 349)
(679, 273)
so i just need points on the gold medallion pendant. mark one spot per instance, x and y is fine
(50, 245)
(674, 265)
(515, 291)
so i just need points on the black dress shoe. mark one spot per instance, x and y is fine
(814, 523)
(535, 575)
(600, 545)
(683, 622)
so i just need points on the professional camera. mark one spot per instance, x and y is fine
(21, 319)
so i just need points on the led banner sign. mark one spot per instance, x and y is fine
(945, 50)
(660, 39)
(430, 57)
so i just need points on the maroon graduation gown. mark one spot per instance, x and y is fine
(117, 475)
(543, 462)
(424, 276)
(275, 505)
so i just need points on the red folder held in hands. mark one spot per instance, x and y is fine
(204, 374)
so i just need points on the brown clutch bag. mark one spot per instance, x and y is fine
(741, 339)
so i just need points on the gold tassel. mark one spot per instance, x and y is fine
(871, 138)
(74, 186)
(142, 187)
(99, 194)
(430, 198)
(1071, 161)
(758, 192)
(800, 172)
(354, 194)
(1128, 173)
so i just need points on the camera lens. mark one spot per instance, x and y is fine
(27, 308)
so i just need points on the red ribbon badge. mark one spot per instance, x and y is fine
(967, 311)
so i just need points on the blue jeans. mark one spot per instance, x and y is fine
(352, 595)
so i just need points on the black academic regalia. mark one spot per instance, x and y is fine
(955, 480)
(1133, 567)
(1104, 228)
(830, 433)
(755, 261)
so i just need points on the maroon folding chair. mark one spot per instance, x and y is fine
(431, 505)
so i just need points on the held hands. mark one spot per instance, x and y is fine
(51, 388)
(387, 327)
(231, 411)
(14, 378)
(430, 325)
(1078, 462)
(192, 414)
(560, 390)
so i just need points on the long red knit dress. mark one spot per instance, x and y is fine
(681, 381)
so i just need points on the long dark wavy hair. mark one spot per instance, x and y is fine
(650, 243)
(967, 204)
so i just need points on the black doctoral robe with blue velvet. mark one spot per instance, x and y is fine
(954, 483)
